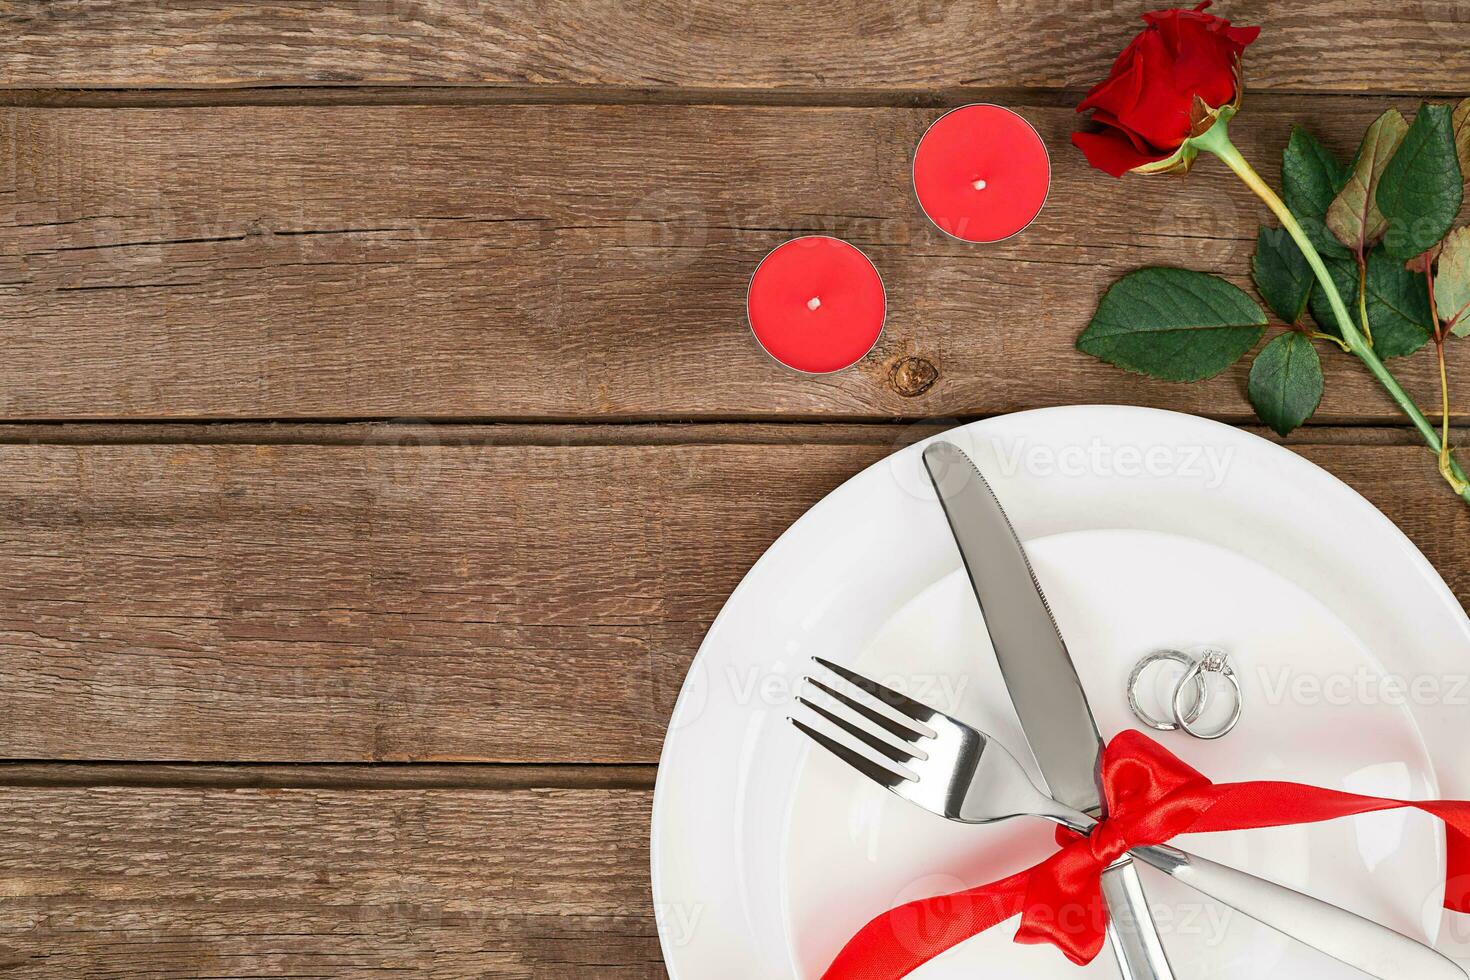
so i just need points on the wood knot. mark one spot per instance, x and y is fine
(912, 376)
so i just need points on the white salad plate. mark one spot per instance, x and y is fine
(1148, 530)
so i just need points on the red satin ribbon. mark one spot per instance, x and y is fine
(1152, 797)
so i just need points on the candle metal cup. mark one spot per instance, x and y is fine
(978, 184)
(815, 304)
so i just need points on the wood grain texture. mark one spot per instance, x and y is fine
(387, 603)
(1322, 45)
(130, 883)
(399, 432)
(568, 262)
(371, 776)
(418, 603)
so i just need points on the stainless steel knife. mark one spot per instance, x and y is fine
(1043, 685)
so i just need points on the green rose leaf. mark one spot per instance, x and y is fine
(1452, 284)
(1421, 189)
(1344, 271)
(1462, 136)
(1398, 307)
(1354, 215)
(1286, 382)
(1173, 324)
(1311, 178)
(1397, 302)
(1281, 274)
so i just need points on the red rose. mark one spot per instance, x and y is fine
(1147, 105)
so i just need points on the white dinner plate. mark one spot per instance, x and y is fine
(1148, 528)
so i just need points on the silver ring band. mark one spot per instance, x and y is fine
(1202, 691)
(1215, 662)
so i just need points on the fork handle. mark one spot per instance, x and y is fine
(1131, 928)
(1371, 947)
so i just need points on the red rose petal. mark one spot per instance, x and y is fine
(1205, 66)
(1244, 37)
(1117, 92)
(1161, 113)
(1111, 152)
(1105, 118)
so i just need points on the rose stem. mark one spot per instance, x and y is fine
(1444, 381)
(1217, 141)
(1363, 296)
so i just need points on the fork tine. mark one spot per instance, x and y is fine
(897, 728)
(918, 711)
(870, 739)
(878, 774)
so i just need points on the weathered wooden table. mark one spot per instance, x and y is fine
(375, 384)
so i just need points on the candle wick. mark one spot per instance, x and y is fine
(979, 185)
(814, 303)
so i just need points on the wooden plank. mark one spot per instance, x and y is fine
(419, 433)
(528, 262)
(399, 603)
(455, 885)
(1322, 45)
(331, 776)
(419, 603)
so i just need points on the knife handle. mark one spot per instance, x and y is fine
(1131, 927)
(1373, 948)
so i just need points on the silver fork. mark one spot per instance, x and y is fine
(961, 774)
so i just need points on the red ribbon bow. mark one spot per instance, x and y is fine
(1152, 797)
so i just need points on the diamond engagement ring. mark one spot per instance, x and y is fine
(1213, 661)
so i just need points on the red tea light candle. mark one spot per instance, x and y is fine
(981, 173)
(816, 304)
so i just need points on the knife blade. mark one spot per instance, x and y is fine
(1043, 683)
(1038, 669)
